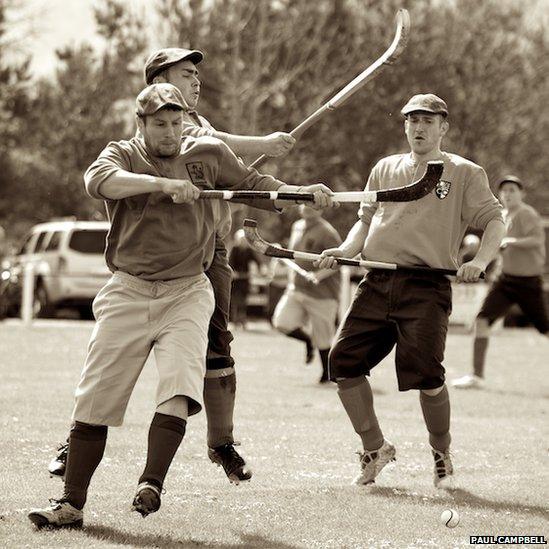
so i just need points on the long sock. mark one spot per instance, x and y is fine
(165, 436)
(219, 398)
(436, 412)
(298, 333)
(86, 448)
(324, 358)
(358, 401)
(480, 345)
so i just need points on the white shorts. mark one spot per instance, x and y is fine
(295, 309)
(134, 316)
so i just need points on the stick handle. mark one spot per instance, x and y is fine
(353, 196)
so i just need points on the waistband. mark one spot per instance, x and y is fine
(403, 272)
(149, 285)
(517, 278)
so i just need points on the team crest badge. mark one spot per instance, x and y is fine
(196, 172)
(442, 189)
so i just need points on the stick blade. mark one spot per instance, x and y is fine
(416, 190)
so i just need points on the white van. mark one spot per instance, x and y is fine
(68, 262)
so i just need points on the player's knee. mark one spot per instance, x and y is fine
(177, 406)
(433, 392)
(482, 327)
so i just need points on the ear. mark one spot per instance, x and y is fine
(140, 124)
(444, 126)
(161, 78)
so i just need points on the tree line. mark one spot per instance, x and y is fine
(268, 64)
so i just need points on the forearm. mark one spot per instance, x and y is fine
(122, 184)
(491, 241)
(354, 242)
(242, 145)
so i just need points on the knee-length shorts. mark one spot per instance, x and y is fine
(402, 308)
(133, 317)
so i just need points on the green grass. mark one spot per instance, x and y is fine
(300, 443)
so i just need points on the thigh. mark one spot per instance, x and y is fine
(532, 302)
(118, 348)
(220, 275)
(365, 336)
(322, 314)
(181, 343)
(289, 313)
(422, 326)
(497, 302)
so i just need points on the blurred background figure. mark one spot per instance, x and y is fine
(277, 272)
(241, 258)
(311, 297)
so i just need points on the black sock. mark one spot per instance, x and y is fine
(219, 398)
(165, 436)
(324, 358)
(436, 412)
(86, 447)
(480, 345)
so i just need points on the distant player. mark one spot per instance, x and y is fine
(406, 308)
(520, 282)
(312, 295)
(159, 244)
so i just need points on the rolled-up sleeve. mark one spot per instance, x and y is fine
(480, 206)
(112, 159)
(367, 210)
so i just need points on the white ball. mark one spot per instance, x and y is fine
(450, 518)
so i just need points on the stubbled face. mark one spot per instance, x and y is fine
(162, 131)
(510, 195)
(425, 131)
(184, 75)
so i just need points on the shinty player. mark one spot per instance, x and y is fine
(520, 281)
(312, 295)
(160, 243)
(406, 308)
(177, 66)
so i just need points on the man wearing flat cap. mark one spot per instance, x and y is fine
(408, 309)
(520, 281)
(160, 242)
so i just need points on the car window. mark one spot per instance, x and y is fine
(55, 239)
(25, 246)
(88, 242)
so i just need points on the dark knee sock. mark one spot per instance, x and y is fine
(480, 346)
(86, 447)
(165, 436)
(324, 358)
(436, 412)
(358, 401)
(302, 336)
(219, 398)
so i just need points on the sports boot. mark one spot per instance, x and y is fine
(372, 463)
(59, 514)
(147, 499)
(444, 470)
(232, 462)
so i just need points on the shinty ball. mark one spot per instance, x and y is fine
(450, 518)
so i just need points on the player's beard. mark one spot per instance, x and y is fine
(167, 149)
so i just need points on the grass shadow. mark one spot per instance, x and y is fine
(463, 497)
(113, 535)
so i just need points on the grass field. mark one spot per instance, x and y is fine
(300, 445)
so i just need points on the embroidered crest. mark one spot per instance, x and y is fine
(442, 189)
(196, 172)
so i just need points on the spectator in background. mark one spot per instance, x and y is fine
(520, 282)
(240, 259)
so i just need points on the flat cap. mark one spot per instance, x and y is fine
(510, 179)
(162, 59)
(425, 102)
(156, 96)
